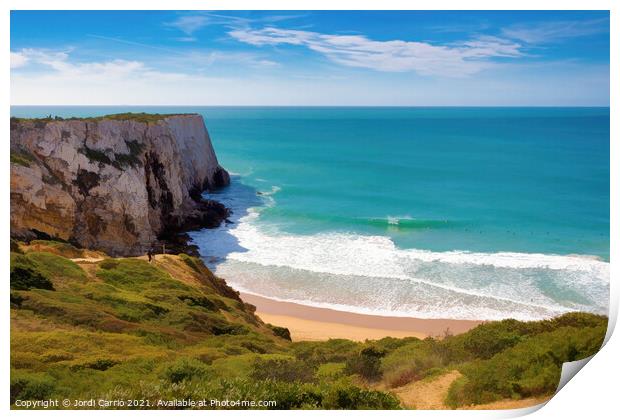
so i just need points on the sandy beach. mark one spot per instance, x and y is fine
(312, 323)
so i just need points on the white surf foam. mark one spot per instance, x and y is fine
(376, 274)
(343, 253)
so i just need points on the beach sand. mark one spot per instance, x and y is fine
(312, 323)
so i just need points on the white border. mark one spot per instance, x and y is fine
(592, 395)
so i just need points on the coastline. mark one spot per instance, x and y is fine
(309, 323)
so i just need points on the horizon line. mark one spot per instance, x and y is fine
(320, 106)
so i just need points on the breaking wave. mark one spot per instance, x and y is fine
(370, 274)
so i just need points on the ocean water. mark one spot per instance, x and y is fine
(468, 213)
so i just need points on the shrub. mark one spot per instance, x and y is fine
(108, 264)
(30, 387)
(100, 364)
(319, 352)
(330, 371)
(530, 368)
(21, 157)
(201, 301)
(457, 396)
(289, 370)
(254, 347)
(191, 262)
(95, 155)
(16, 300)
(281, 332)
(491, 338)
(221, 328)
(350, 397)
(15, 247)
(184, 369)
(122, 160)
(25, 278)
(412, 362)
(287, 395)
(366, 363)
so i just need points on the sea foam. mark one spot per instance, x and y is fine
(370, 274)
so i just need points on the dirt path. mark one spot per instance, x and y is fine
(431, 394)
(508, 404)
(97, 259)
(427, 394)
(86, 260)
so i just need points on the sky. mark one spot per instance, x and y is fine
(357, 58)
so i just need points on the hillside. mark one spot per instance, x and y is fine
(84, 325)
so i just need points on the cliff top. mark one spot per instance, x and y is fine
(142, 117)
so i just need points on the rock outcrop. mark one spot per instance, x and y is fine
(117, 183)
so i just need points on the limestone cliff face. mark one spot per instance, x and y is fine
(115, 183)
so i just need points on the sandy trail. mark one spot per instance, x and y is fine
(87, 260)
(427, 394)
(431, 394)
(508, 404)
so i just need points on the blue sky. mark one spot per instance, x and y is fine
(419, 58)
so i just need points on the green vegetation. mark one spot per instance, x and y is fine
(530, 368)
(24, 278)
(63, 249)
(95, 155)
(119, 160)
(21, 157)
(281, 332)
(126, 328)
(123, 160)
(141, 117)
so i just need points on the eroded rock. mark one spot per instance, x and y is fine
(110, 183)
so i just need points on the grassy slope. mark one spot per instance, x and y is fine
(96, 327)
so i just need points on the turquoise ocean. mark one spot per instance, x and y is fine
(466, 213)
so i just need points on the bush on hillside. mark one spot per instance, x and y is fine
(281, 332)
(531, 368)
(184, 369)
(281, 369)
(366, 363)
(411, 362)
(30, 386)
(318, 352)
(26, 278)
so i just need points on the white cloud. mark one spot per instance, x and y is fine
(56, 78)
(59, 62)
(18, 60)
(455, 60)
(189, 24)
(490, 46)
(554, 31)
(205, 59)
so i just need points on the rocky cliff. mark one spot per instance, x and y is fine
(118, 183)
